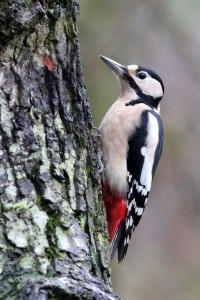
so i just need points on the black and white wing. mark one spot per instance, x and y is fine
(145, 149)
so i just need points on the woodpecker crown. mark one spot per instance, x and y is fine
(147, 84)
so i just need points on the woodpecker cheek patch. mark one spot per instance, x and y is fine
(151, 87)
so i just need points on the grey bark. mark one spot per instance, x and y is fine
(53, 238)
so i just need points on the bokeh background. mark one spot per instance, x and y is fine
(163, 261)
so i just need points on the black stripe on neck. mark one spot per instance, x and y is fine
(150, 101)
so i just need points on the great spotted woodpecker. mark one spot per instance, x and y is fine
(131, 141)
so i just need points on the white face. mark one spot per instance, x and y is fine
(147, 84)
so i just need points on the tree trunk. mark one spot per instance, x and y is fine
(53, 237)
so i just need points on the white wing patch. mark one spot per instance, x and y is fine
(149, 151)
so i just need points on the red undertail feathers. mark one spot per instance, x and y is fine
(116, 216)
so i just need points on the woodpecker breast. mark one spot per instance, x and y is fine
(118, 125)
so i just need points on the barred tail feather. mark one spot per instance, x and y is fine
(117, 240)
(122, 248)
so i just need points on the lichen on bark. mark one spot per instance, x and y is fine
(52, 221)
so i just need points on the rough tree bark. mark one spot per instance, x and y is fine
(53, 240)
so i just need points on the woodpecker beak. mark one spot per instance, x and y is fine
(118, 69)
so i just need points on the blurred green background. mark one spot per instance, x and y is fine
(163, 261)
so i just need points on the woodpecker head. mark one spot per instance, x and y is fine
(147, 85)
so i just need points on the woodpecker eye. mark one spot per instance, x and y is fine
(142, 75)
